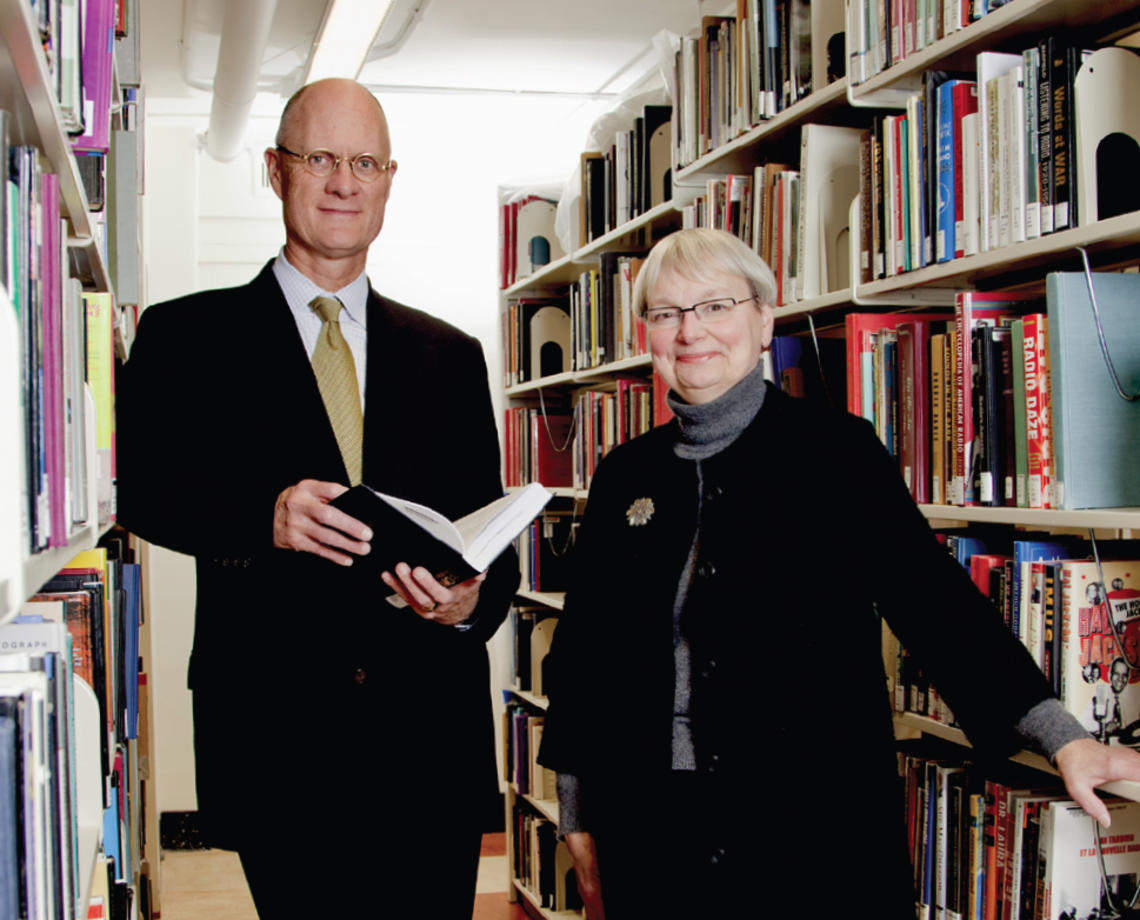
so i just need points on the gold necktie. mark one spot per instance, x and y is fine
(336, 377)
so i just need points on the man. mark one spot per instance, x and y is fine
(344, 747)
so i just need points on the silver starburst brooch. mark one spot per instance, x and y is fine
(640, 512)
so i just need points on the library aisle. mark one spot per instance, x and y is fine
(209, 885)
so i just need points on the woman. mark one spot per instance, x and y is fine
(718, 712)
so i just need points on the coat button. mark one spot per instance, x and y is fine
(713, 764)
(706, 570)
(360, 675)
(716, 856)
(714, 493)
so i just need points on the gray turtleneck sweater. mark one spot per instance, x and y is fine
(704, 431)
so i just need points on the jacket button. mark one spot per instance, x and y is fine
(706, 570)
(714, 493)
(360, 675)
(717, 856)
(713, 764)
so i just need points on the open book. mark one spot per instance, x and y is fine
(405, 531)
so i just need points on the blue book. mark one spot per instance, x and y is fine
(962, 547)
(944, 242)
(1025, 552)
(1096, 433)
(9, 811)
(132, 593)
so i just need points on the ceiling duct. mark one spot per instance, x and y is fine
(245, 34)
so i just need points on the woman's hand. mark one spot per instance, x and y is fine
(1085, 764)
(584, 852)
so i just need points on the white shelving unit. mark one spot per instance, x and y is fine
(1108, 241)
(27, 94)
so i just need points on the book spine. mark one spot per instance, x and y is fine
(965, 102)
(971, 201)
(1032, 162)
(937, 419)
(1060, 152)
(1045, 135)
(878, 248)
(866, 208)
(1036, 423)
(945, 247)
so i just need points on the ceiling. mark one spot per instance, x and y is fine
(530, 46)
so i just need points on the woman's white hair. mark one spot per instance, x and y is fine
(700, 255)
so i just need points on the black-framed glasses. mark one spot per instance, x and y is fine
(707, 311)
(323, 163)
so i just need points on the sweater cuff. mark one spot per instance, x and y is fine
(569, 794)
(1048, 727)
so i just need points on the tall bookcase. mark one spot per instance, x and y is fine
(28, 96)
(1110, 243)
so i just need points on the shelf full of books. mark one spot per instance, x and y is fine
(540, 863)
(987, 842)
(923, 192)
(55, 113)
(1006, 167)
(69, 753)
(70, 611)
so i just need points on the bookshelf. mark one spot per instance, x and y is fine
(28, 96)
(1112, 242)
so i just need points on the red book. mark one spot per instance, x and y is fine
(965, 95)
(1035, 349)
(550, 449)
(972, 308)
(859, 327)
(914, 394)
(981, 564)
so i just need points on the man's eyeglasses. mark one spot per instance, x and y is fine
(708, 312)
(323, 163)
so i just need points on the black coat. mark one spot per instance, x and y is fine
(808, 530)
(311, 693)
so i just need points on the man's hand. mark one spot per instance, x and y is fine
(1085, 764)
(584, 852)
(304, 521)
(431, 600)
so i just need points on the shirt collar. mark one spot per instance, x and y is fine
(299, 289)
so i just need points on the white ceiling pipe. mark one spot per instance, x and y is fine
(245, 33)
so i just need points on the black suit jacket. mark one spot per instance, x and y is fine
(294, 656)
(808, 536)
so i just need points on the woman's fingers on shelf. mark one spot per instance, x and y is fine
(1085, 764)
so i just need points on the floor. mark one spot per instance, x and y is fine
(209, 885)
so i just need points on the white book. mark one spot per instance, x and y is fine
(1074, 883)
(1032, 171)
(1016, 155)
(890, 212)
(856, 38)
(914, 179)
(990, 64)
(621, 189)
(971, 191)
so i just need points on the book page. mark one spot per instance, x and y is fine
(487, 531)
(427, 518)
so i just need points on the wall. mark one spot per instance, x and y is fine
(208, 224)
